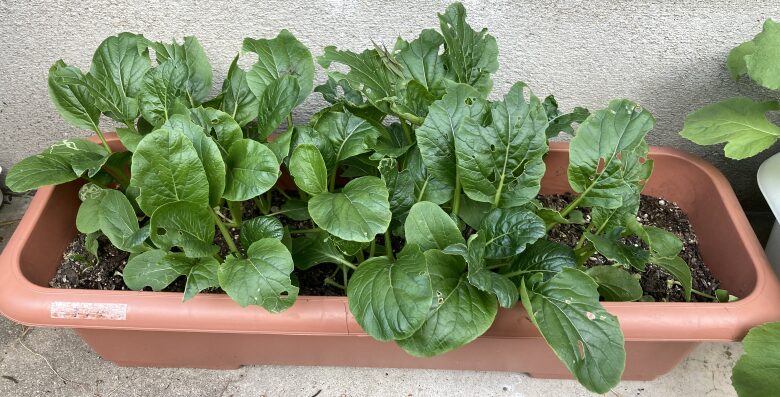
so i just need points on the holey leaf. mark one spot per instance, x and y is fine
(584, 336)
(358, 213)
(740, 122)
(281, 56)
(201, 273)
(252, 169)
(755, 374)
(502, 163)
(596, 169)
(166, 168)
(458, 312)
(436, 136)
(262, 278)
(367, 74)
(72, 100)
(390, 300)
(185, 225)
(218, 125)
(469, 56)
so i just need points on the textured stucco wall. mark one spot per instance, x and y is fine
(669, 56)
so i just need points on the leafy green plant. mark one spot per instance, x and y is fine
(743, 125)
(416, 186)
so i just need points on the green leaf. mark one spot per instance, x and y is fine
(429, 227)
(149, 269)
(314, 249)
(83, 155)
(469, 56)
(346, 247)
(479, 276)
(679, 269)
(662, 243)
(740, 122)
(756, 371)
(296, 210)
(129, 138)
(358, 213)
(238, 101)
(390, 300)
(88, 216)
(501, 163)
(544, 256)
(252, 169)
(192, 55)
(420, 61)
(763, 63)
(163, 91)
(615, 284)
(92, 244)
(612, 247)
(276, 103)
(400, 186)
(584, 336)
(201, 273)
(263, 278)
(508, 230)
(208, 153)
(73, 101)
(116, 75)
(166, 168)
(391, 143)
(39, 170)
(308, 169)
(347, 133)
(367, 72)
(259, 228)
(330, 92)
(280, 145)
(561, 122)
(472, 212)
(119, 222)
(736, 59)
(458, 313)
(426, 187)
(436, 136)
(185, 225)
(218, 125)
(596, 167)
(281, 56)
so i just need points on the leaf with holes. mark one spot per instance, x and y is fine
(185, 225)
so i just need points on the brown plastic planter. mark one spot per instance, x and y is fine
(210, 331)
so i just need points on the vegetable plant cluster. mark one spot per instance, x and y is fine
(743, 125)
(417, 186)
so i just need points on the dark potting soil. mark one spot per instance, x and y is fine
(656, 282)
(79, 269)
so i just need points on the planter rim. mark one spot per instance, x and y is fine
(25, 302)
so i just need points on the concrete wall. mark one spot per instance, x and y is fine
(669, 56)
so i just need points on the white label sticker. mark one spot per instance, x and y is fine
(89, 311)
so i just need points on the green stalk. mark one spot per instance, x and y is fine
(456, 197)
(332, 182)
(360, 256)
(388, 245)
(260, 204)
(518, 273)
(290, 124)
(345, 273)
(333, 283)
(102, 138)
(372, 249)
(118, 175)
(235, 212)
(407, 132)
(225, 233)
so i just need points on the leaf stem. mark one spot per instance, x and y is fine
(519, 272)
(235, 212)
(225, 233)
(573, 205)
(118, 175)
(456, 197)
(102, 138)
(388, 245)
(302, 231)
(328, 281)
(290, 124)
(497, 266)
(372, 249)
(345, 274)
(283, 193)
(332, 182)
(260, 204)
(407, 132)
(702, 294)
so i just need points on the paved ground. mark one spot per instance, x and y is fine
(55, 362)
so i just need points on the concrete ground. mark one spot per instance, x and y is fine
(55, 362)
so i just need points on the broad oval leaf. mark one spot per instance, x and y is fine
(458, 314)
(763, 63)
(260, 227)
(262, 278)
(192, 55)
(186, 225)
(755, 374)
(347, 133)
(238, 101)
(252, 169)
(88, 216)
(429, 227)
(390, 300)
(308, 170)
(358, 213)
(584, 336)
(436, 136)
(149, 269)
(276, 103)
(740, 122)
(479, 276)
(72, 100)
(615, 284)
(83, 155)
(426, 187)
(208, 152)
(281, 56)
(39, 170)
(201, 273)
(119, 222)
(218, 125)
(116, 75)
(611, 246)
(314, 249)
(544, 256)
(508, 230)
(502, 163)
(166, 168)
(420, 60)
(596, 167)
(163, 91)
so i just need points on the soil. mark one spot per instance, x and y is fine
(79, 269)
(656, 282)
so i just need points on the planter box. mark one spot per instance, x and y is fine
(156, 329)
